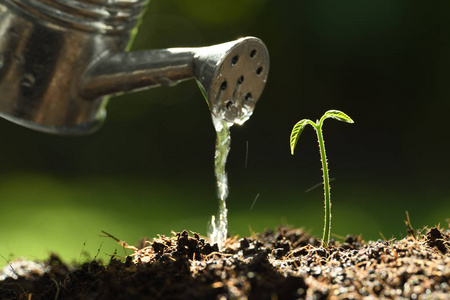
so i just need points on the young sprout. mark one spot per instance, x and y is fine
(295, 134)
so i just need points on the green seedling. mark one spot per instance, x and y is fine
(295, 134)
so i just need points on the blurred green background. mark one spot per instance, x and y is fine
(149, 169)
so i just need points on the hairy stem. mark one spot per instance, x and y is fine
(326, 186)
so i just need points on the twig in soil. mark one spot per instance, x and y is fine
(410, 231)
(57, 288)
(232, 240)
(122, 243)
(82, 251)
(420, 233)
(252, 233)
(382, 236)
(21, 287)
(98, 251)
(218, 253)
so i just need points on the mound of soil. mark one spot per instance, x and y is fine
(282, 264)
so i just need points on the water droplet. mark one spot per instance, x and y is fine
(28, 80)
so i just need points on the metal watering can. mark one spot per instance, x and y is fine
(61, 59)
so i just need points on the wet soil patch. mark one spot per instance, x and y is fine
(285, 263)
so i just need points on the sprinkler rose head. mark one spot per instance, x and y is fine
(232, 77)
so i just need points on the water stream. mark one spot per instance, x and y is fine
(218, 227)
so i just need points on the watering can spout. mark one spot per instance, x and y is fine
(231, 75)
(131, 71)
(61, 60)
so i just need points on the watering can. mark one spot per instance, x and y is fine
(60, 60)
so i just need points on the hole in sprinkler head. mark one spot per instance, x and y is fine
(229, 104)
(259, 71)
(248, 96)
(223, 85)
(234, 60)
(240, 79)
(253, 53)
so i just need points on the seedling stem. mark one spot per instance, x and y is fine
(295, 134)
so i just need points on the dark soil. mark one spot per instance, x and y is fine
(283, 264)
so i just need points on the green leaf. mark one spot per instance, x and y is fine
(338, 115)
(295, 134)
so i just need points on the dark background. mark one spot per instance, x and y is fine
(385, 63)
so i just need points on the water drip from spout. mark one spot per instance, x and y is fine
(218, 228)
